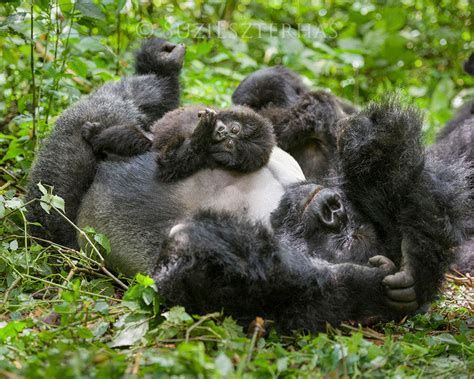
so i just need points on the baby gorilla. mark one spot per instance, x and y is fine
(192, 138)
(189, 139)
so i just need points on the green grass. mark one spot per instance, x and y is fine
(62, 315)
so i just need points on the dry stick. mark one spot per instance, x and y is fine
(136, 363)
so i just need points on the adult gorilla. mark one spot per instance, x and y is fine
(320, 254)
(305, 124)
(268, 243)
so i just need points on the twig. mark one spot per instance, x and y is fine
(66, 288)
(32, 65)
(117, 51)
(194, 326)
(50, 58)
(9, 289)
(367, 332)
(102, 260)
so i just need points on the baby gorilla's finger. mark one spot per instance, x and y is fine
(401, 279)
(382, 262)
(208, 117)
(403, 307)
(405, 295)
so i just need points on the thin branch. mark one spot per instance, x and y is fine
(32, 66)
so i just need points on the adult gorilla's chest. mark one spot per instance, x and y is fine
(136, 211)
(255, 195)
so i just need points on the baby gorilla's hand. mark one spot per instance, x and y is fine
(91, 129)
(202, 135)
(90, 132)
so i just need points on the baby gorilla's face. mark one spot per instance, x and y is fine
(327, 222)
(242, 139)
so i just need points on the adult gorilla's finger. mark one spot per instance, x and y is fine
(403, 307)
(405, 295)
(401, 279)
(382, 262)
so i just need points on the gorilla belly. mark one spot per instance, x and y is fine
(136, 211)
(254, 195)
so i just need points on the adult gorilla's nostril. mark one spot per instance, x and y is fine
(330, 209)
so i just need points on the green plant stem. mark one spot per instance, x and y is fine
(32, 66)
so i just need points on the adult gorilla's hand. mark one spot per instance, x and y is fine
(400, 287)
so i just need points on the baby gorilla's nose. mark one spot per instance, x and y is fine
(330, 209)
(220, 131)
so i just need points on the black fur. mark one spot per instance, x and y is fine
(330, 256)
(322, 261)
(192, 138)
(303, 120)
(455, 142)
(68, 163)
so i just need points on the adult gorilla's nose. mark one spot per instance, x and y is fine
(329, 208)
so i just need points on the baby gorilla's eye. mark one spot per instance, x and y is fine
(235, 128)
(229, 144)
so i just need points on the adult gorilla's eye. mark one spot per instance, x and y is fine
(229, 144)
(235, 128)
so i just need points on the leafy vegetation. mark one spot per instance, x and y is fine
(62, 314)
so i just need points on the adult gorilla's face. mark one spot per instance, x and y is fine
(324, 218)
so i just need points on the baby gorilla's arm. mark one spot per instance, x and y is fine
(122, 140)
(187, 156)
(235, 139)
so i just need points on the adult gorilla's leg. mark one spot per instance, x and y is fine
(416, 200)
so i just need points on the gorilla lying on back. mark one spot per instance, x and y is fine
(67, 163)
(276, 93)
(303, 120)
(192, 138)
(331, 251)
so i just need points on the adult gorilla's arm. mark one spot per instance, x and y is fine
(215, 260)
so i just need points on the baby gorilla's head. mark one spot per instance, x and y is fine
(326, 222)
(242, 139)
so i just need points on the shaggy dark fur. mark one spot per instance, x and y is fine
(189, 139)
(192, 138)
(68, 163)
(333, 251)
(456, 143)
(322, 262)
(303, 120)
